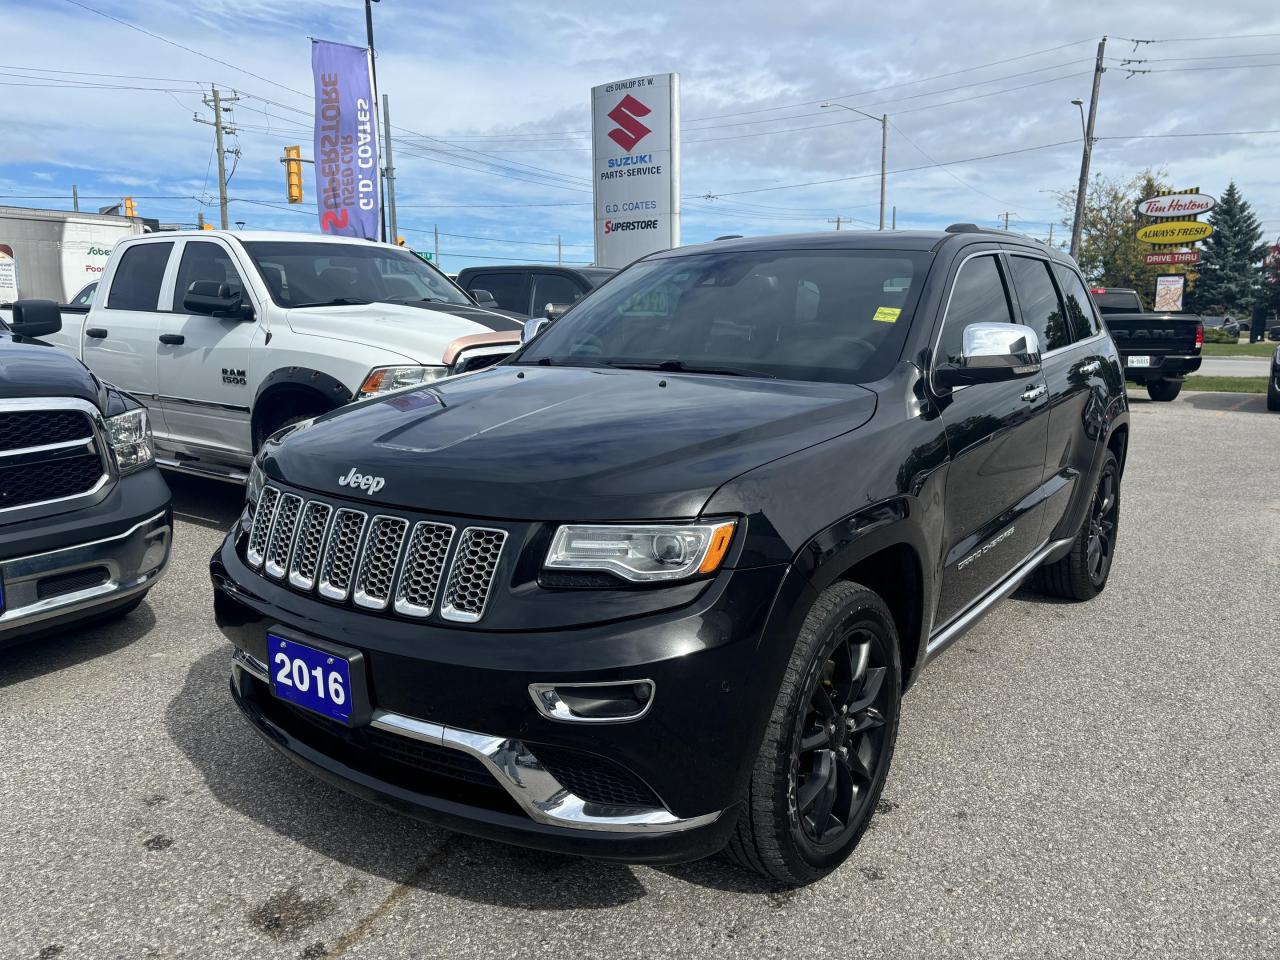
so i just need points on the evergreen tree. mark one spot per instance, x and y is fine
(1230, 274)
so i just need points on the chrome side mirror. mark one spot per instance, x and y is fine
(532, 328)
(992, 353)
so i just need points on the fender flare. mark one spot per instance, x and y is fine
(329, 387)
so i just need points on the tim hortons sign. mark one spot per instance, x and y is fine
(1184, 205)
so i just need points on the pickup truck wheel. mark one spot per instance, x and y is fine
(826, 752)
(1163, 389)
(1082, 573)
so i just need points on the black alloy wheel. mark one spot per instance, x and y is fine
(839, 740)
(1103, 518)
(829, 741)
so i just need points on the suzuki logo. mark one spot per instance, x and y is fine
(366, 482)
(630, 130)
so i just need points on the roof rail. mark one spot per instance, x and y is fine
(964, 228)
(729, 236)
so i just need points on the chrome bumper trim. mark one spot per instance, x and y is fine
(135, 560)
(520, 773)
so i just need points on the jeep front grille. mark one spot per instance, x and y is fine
(377, 562)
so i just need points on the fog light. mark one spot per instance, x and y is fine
(594, 702)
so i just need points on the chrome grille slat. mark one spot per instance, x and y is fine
(379, 562)
(305, 562)
(340, 553)
(263, 516)
(280, 543)
(423, 568)
(466, 592)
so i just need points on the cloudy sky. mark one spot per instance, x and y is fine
(490, 105)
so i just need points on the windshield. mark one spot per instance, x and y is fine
(301, 274)
(1117, 301)
(829, 315)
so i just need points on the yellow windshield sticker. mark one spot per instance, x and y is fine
(887, 314)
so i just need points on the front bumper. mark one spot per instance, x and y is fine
(1162, 368)
(455, 694)
(86, 562)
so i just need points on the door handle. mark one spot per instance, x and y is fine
(1092, 366)
(173, 339)
(97, 333)
(1034, 393)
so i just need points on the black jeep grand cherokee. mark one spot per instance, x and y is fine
(656, 584)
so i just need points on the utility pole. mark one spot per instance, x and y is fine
(217, 101)
(559, 253)
(75, 198)
(391, 171)
(1005, 217)
(1051, 233)
(884, 161)
(895, 216)
(837, 221)
(373, 71)
(1077, 223)
(435, 229)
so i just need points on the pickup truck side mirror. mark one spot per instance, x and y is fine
(484, 297)
(35, 318)
(554, 311)
(992, 353)
(532, 328)
(212, 298)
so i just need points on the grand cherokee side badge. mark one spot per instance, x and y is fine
(366, 482)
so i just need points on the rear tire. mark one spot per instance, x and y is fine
(1163, 390)
(1273, 394)
(826, 752)
(1082, 574)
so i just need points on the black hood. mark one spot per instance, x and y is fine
(497, 320)
(32, 369)
(565, 443)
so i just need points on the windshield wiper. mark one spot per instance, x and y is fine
(567, 362)
(421, 300)
(336, 302)
(679, 366)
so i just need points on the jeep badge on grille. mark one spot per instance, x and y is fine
(366, 482)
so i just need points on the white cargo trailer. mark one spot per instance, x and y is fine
(52, 254)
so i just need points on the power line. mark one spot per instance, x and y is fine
(920, 150)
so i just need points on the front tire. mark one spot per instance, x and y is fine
(826, 752)
(1163, 390)
(1273, 393)
(1082, 574)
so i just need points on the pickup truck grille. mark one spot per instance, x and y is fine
(377, 562)
(46, 455)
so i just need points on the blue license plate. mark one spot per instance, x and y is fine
(310, 678)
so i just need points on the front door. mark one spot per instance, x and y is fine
(120, 331)
(203, 366)
(996, 436)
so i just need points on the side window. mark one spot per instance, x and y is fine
(1084, 321)
(552, 288)
(507, 288)
(1041, 309)
(85, 297)
(977, 296)
(203, 260)
(136, 285)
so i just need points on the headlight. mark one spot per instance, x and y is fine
(644, 552)
(130, 437)
(386, 379)
(252, 491)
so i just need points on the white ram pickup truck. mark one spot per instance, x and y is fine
(226, 337)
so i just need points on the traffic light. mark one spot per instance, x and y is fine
(401, 241)
(206, 226)
(130, 208)
(293, 173)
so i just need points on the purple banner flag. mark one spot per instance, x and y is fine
(348, 181)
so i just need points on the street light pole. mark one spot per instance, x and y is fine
(884, 149)
(1077, 224)
(373, 70)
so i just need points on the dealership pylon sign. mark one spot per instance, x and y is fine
(635, 167)
(348, 179)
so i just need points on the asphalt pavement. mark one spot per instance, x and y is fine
(1235, 367)
(1080, 781)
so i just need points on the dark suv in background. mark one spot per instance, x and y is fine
(656, 583)
(528, 289)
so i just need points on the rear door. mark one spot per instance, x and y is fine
(203, 371)
(996, 435)
(121, 328)
(1071, 365)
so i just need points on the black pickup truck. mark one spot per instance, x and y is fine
(1159, 349)
(85, 519)
(655, 584)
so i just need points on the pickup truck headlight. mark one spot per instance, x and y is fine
(386, 379)
(130, 437)
(642, 553)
